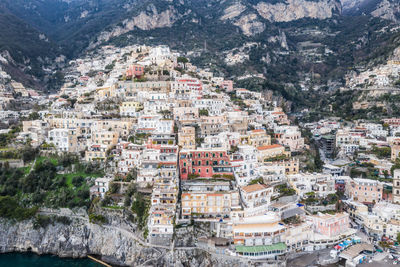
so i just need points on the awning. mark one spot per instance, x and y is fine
(255, 249)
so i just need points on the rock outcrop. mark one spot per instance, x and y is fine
(115, 245)
(77, 240)
(149, 19)
(297, 9)
(389, 10)
(233, 11)
(250, 25)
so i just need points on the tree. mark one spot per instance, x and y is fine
(77, 181)
(114, 188)
(317, 161)
(33, 116)
(203, 112)
(182, 60)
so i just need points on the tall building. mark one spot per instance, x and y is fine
(396, 186)
(328, 144)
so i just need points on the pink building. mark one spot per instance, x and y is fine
(227, 85)
(392, 121)
(330, 225)
(366, 191)
(135, 70)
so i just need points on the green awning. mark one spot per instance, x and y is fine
(255, 249)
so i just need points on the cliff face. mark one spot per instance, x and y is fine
(149, 19)
(250, 25)
(115, 245)
(385, 9)
(76, 240)
(297, 9)
(389, 10)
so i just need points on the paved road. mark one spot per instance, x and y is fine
(310, 259)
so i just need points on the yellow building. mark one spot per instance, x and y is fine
(106, 92)
(186, 138)
(208, 204)
(129, 108)
(266, 152)
(259, 138)
(96, 153)
(395, 152)
(122, 126)
(107, 138)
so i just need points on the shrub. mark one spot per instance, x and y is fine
(42, 221)
(77, 181)
(97, 218)
(10, 208)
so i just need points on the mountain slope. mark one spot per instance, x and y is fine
(24, 49)
(386, 9)
(292, 43)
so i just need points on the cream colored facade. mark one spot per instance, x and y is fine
(129, 108)
(122, 126)
(107, 138)
(396, 186)
(186, 138)
(96, 153)
(266, 152)
(209, 204)
(257, 138)
(395, 152)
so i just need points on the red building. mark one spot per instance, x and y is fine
(192, 84)
(204, 163)
(135, 70)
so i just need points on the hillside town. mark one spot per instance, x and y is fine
(259, 183)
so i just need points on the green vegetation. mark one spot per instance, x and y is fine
(313, 200)
(203, 112)
(285, 190)
(43, 186)
(11, 209)
(276, 158)
(223, 176)
(8, 138)
(140, 207)
(138, 138)
(259, 180)
(193, 176)
(182, 60)
(97, 218)
(33, 116)
(42, 221)
(381, 152)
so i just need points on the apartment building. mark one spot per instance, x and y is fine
(365, 190)
(204, 163)
(259, 237)
(256, 198)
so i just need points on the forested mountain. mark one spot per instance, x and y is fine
(293, 43)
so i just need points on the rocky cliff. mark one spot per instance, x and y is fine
(149, 19)
(389, 10)
(115, 245)
(385, 9)
(297, 9)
